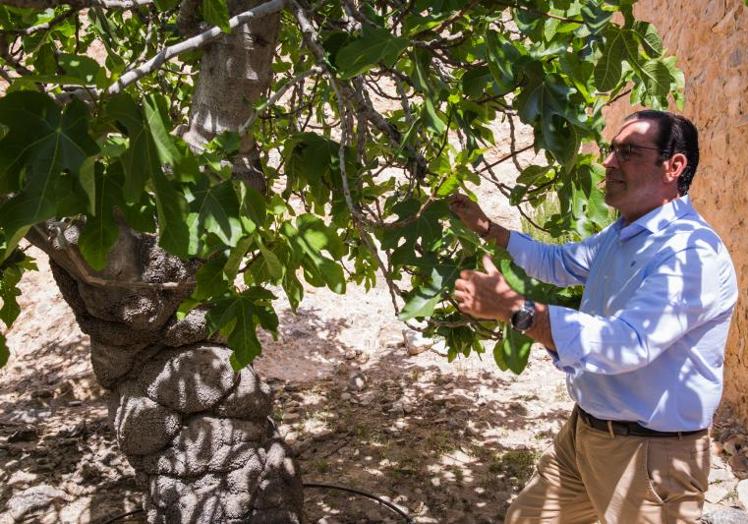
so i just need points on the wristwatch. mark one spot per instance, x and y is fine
(523, 318)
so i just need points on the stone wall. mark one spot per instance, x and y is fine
(710, 39)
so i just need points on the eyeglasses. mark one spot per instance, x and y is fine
(623, 152)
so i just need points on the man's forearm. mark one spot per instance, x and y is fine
(497, 234)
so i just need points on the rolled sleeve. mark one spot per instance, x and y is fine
(561, 265)
(681, 293)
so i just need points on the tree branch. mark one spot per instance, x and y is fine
(77, 4)
(70, 259)
(166, 54)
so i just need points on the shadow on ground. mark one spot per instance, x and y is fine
(412, 430)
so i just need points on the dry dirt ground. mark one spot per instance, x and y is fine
(445, 442)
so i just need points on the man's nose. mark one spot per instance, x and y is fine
(611, 160)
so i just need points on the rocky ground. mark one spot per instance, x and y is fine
(444, 442)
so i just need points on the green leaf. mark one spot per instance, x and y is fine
(87, 179)
(534, 174)
(432, 118)
(293, 288)
(166, 5)
(156, 111)
(608, 69)
(235, 317)
(649, 38)
(656, 76)
(101, 231)
(81, 67)
(236, 256)
(545, 103)
(310, 238)
(216, 12)
(425, 298)
(595, 17)
(10, 310)
(375, 45)
(513, 351)
(502, 56)
(475, 80)
(273, 265)
(51, 147)
(243, 338)
(4, 352)
(141, 159)
(253, 204)
(211, 279)
(171, 206)
(315, 236)
(218, 212)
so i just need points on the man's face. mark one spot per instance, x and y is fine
(634, 185)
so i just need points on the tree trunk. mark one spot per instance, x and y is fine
(234, 73)
(199, 435)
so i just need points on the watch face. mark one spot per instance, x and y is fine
(522, 320)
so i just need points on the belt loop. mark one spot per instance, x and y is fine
(610, 429)
(680, 435)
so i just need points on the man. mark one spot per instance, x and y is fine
(643, 356)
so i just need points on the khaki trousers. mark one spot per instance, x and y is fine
(588, 475)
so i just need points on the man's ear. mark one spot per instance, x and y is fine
(674, 166)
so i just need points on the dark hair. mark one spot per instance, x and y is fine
(675, 134)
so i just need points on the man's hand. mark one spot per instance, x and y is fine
(486, 295)
(476, 220)
(469, 213)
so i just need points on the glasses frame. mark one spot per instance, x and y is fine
(623, 152)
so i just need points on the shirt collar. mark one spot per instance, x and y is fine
(657, 219)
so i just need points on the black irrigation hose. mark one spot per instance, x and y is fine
(383, 502)
(123, 515)
(389, 505)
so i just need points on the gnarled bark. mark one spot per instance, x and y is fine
(198, 434)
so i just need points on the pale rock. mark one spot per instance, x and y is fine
(357, 382)
(742, 491)
(720, 475)
(21, 477)
(718, 491)
(34, 499)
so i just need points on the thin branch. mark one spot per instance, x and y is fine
(513, 143)
(618, 97)
(507, 157)
(530, 220)
(277, 96)
(7, 55)
(41, 27)
(437, 30)
(358, 219)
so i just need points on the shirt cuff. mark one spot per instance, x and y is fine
(566, 333)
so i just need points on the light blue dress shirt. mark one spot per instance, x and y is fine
(647, 343)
